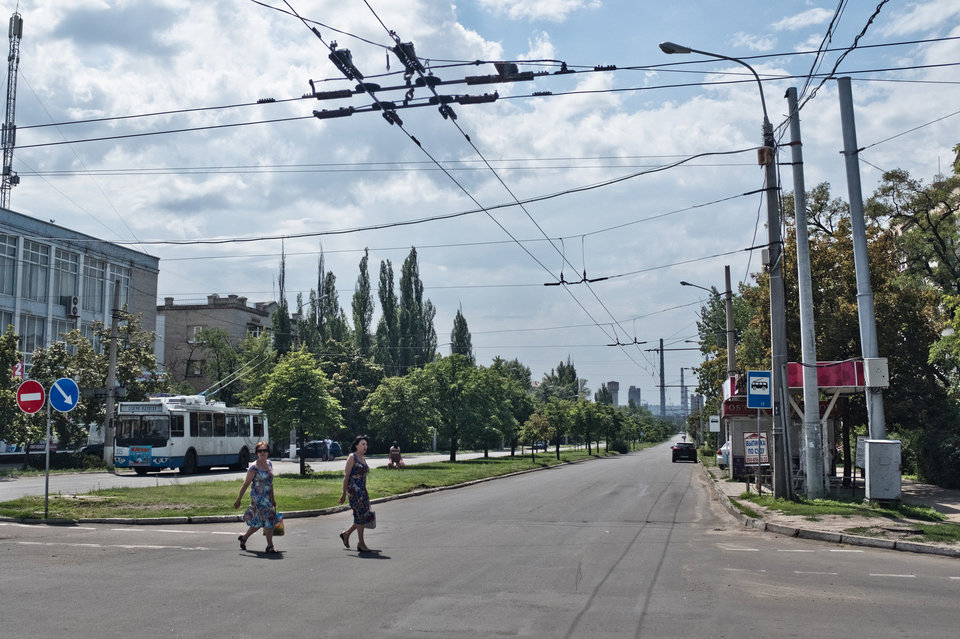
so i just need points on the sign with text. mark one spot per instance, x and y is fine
(714, 423)
(759, 389)
(755, 449)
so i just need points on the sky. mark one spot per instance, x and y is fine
(638, 167)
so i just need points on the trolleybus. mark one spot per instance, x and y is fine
(186, 432)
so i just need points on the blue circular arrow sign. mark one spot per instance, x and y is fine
(64, 395)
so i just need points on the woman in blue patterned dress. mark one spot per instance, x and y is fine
(355, 485)
(262, 512)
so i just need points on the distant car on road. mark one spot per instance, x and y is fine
(723, 455)
(315, 450)
(540, 445)
(684, 450)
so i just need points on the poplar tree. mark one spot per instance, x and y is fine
(387, 342)
(460, 343)
(363, 309)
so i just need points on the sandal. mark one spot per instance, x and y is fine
(243, 542)
(272, 551)
(364, 549)
(345, 540)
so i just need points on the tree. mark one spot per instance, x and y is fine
(460, 337)
(297, 397)
(461, 401)
(535, 429)
(352, 379)
(363, 309)
(603, 396)
(259, 357)
(222, 362)
(562, 382)
(399, 411)
(386, 350)
(418, 337)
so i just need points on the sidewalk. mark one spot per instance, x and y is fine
(883, 533)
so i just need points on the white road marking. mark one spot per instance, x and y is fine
(813, 572)
(125, 546)
(793, 550)
(34, 526)
(955, 577)
(737, 548)
(882, 574)
(744, 570)
(843, 550)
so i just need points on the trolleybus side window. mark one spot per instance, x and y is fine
(219, 426)
(258, 425)
(176, 425)
(194, 425)
(233, 428)
(206, 424)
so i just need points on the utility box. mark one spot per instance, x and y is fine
(882, 469)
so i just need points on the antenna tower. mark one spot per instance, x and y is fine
(10, 178)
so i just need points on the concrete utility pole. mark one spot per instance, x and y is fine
(868, 323)
(110, 431)
(663, 388)
(767, 155)
(812, 438)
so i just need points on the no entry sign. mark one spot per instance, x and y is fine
(30, 396)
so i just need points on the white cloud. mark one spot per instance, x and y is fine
(803, 20)
(753, 42)
(550, 10)
(919, 16)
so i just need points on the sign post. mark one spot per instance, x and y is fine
(64, 394)
(759, 396)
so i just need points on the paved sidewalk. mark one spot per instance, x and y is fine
(831, 528)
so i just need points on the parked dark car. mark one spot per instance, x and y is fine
(684, 450)
(316, 450)
(540, 445)
(92, 449)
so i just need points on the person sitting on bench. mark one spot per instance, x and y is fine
(395, 460)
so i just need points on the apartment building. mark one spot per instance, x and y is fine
(182, 356)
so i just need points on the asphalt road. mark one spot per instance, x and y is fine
(629, 546)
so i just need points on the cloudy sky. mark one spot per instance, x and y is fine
(206, 162)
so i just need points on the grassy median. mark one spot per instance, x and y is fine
(293, 492)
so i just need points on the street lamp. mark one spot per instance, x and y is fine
(778, 321)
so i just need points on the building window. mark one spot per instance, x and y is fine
(255, 330)
(121, 273)
(36, 270)
(6, 319)
(192, 333)
(94, 275)
(195, 367)
(86, 329)
(61, 326)
(66, 275)
(32, 333)
(8, 264)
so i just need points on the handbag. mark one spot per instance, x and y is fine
(371, 521)
(278, 530)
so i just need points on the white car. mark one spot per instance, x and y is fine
(723, 455)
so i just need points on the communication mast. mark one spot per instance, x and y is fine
(10, 178)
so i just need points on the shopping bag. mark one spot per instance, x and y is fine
(371, 521)
(278, 527)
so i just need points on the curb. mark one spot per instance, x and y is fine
(830, 537)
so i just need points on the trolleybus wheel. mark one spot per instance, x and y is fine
(140, 470)
(189, 463)
(243, 458)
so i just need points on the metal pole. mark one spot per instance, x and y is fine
(46, 478)
(868, 323)
(813, 441)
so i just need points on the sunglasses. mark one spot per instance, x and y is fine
(262, 450)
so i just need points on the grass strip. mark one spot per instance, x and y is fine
(312, 492)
